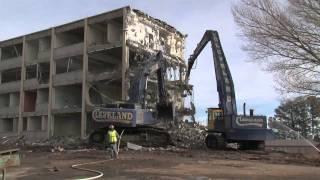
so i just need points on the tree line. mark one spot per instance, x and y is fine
(301, 114)
(284, 38)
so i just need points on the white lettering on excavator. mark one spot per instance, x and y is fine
(245, 121)
(101, 115)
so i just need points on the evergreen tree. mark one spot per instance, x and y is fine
(301, 114)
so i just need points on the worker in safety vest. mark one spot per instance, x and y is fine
(113, 137)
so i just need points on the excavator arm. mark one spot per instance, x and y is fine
(225, 87)
(153, 64)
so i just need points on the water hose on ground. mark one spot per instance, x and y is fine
(100, 174)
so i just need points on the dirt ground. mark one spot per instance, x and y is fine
(163, 164)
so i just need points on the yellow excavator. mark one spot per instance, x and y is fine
(224, 124)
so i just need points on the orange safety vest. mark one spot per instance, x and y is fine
(112, 136)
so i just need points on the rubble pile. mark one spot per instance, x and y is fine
(188, 135)
(60, 143)
(168, 148)
(54, 144)
(11, 142)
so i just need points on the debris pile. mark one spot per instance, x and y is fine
(168, 148)
(11, 142)
(188, 135)
(133, 146)
(54, 144)
(60, 143)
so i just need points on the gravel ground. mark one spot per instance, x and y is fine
(168, 164)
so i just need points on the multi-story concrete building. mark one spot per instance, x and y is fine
(50, 80)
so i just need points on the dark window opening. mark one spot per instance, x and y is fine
(11, 51)
(11, 75)
(68, 64)
(30, 98)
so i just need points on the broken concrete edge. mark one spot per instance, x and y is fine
(133, 146)
(160, 22)
(150, 33)
(139, 49)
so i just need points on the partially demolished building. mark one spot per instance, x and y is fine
(51, 80)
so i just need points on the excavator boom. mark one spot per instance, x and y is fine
(154, 64)
(225, 87)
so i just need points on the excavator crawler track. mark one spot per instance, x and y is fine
(143, 136)
(215, 141)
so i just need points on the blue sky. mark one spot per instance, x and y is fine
(192, 17)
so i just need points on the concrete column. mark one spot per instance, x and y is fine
(125, 57)
(50, 124)
(44, 123)
(84, 80)
(15, 125)
(23, 74)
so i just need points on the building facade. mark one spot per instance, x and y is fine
(52, 79)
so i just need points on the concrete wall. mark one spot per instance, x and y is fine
(35, 127)
(44, 123)
(34, 123)
(98, 34)
(69, 51)
(114, 32)
(6, 125)
(113, 91)
(44, 44)
(67, 125)
(43, 56)
(68, 38)
(4, 100)
(63, 79)
(43, 96)
(10, 87)
(14, 99)
(10, 64)
(68, 96)
(38, 49)
(34, 84)
(32, 50)
(9, 112)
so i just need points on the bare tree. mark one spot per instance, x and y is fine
(284, 36)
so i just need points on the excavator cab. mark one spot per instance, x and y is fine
(214, 115)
